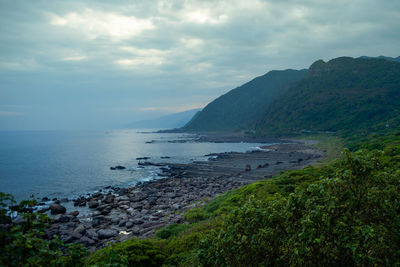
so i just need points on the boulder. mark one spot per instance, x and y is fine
(106, 233)
(74, 213)
(86, 241)
(80, 229)
(118, 167)
(65, 218)
(57, 209)
(91, 233)
(115, 220)
(93, 203)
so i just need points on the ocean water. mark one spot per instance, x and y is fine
(69, 164)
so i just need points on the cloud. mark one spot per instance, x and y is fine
(95, 24)
(118, 57)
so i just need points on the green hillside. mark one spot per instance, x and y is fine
(344, 94)
(239, 106)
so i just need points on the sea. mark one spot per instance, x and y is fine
(68, 164)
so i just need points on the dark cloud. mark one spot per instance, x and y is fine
(107, 63)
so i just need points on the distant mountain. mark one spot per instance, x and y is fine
(235, 109)
(344, 94)
(397, 59)
(175, 120)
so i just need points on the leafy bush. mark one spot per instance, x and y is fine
(195, 215)
(133, 252)
(350, 219)
(171, 231)
(23, 241)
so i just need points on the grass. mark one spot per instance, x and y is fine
(328, 144)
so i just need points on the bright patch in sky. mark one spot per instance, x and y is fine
(97, 23)
(103, 64)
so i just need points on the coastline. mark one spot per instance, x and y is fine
(138, 211)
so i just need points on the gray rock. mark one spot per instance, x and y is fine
(129, 224)
(91, 233)
(108, 199)
(137, 221)
(80, 229)
(65, 218)
(74, 213)
(176, 206)
(106, 233)
(135, 230)
(93, 203)
(68, 236)
(57, 209)
(149, 224)
(86, 241)
(115, 220)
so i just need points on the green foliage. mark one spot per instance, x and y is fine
(195, 215)
(171, 230)
(236, 108)
(345, 94)
(23, 242)
(129, 253)
(351, 218)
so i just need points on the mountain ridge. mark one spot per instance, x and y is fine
(338, 95)
(233, 110)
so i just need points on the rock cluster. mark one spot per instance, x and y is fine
(137, 211)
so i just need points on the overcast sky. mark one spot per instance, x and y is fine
(103, 64)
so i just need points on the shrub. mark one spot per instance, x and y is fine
(195, 215)
(171, 231)
(23, 241)
(351, 218)
(132, 252)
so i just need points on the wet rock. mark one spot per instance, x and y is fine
(93, 203)
(74, 213)
(57, 209)
(108, 199)
(106, 233)
(65, 218)
(45, 199)
(96, 222)
(97, 195)
(81, 202)
(129, 224)
(118, 167)
(143, 158)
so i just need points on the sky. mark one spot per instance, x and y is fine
(103, 64)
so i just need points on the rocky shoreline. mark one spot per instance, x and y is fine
(138, 211)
